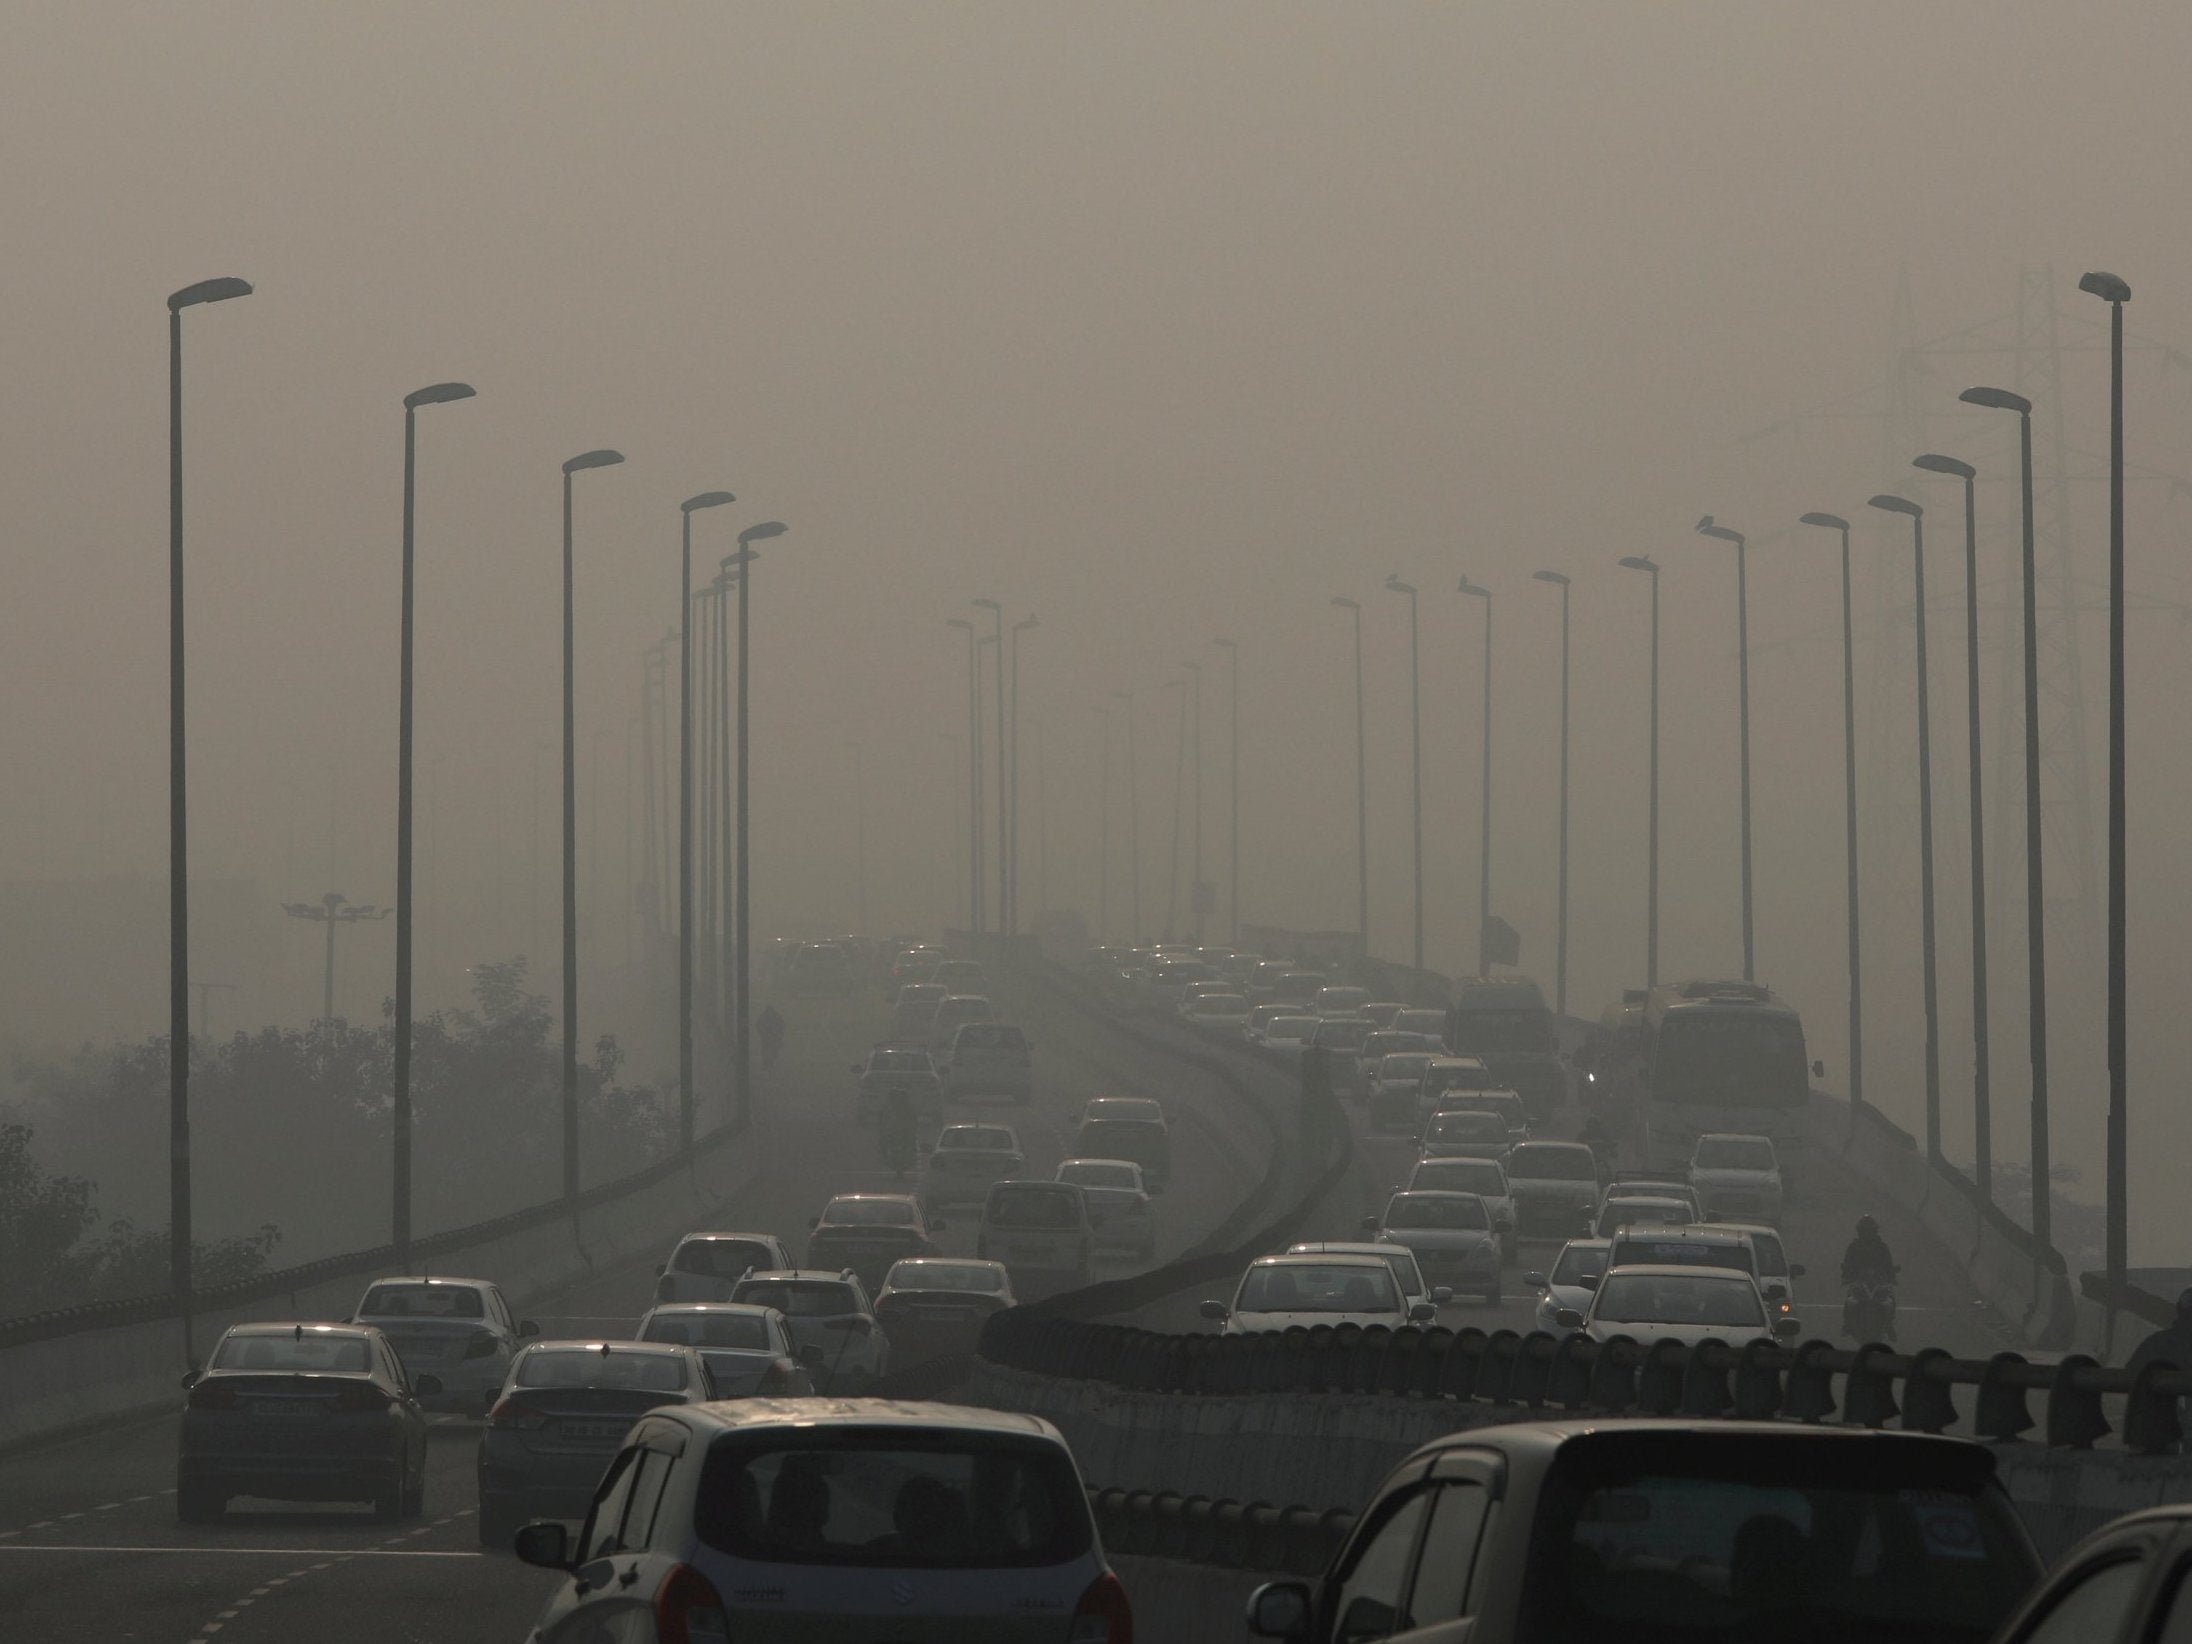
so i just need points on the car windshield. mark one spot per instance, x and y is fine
(721, 1258)
(1032, 1206)
(1219, 1004)
(1089, 1174)
(1136, 1108)
(1630, 1251)
(1311, 1288)
(972, 1276)
(1468, 1127)
(1881, 1554)
(1506, 1108)
(869, 1213)
(1678, 1298)
(422, 1301)
(1734, 1153)
(344, 1354)
(1579, 1262)
(939, 1499)
(801, 1298)
(991, 1138)
(1663, 1211)
(1133, 1139)
(599, 1367)
(1291, 1027)
(743, 1330)
(1456, 1211)
(1402, 1066)
(1462, 1176)
(1553, 1164)
(1458, 1076)
(900, 1061)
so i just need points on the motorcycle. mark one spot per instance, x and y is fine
(1868, 1308)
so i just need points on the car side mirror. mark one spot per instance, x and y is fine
(1588, 1281)
(1369, 1224)
(1441, 1294)
(426, 1387)
(1796, 1270)
(190, 1378)
(1215, 1311)
(1422, 1313)
(527, 1330)
(1786, 1328)
(1536, 1281)
(1279, 1609)
(1568, 1319)
(545, 1545)
(1819, 1070)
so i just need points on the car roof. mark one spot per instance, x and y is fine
(1305, 1258)
(810, 1275)
(292, 1329)
(890, 1198)
(1128, 1164)
(1565, 1147)
(946, 1261)
(1696, 1233)
(1585, 1244)
(1380, 1248)
(421, 1278)
(1676, 1270)
(739, 1415)
(1735, 1136)
(1542, 1438)
(755, 1238)
(1644, 1198)
(744, 1310)
(1436, 1193)
(598, 1344)
(964, 1124)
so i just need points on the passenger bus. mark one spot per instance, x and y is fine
(1723, 1056)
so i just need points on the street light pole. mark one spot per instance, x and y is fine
(685, 890)
(1103, 826)
(1004, 826)
(1638, 562)
(1233, 804)
(178, 842)
(2001, 399)
(590, 459)
(1415, 745)
(1012, 877)
(2116, 293)
(1706, 527)
(1982, 1098)
(1901, 505)
(1362, 791)
(331, 910)
(1484, 783)
(1179, 771)
(974, 783)
(1195, 763)
(1133, 828)
(1834, 522)
(742, 916)
(1560, 963)
(400, 1102)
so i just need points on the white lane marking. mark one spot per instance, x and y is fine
(337, 1554)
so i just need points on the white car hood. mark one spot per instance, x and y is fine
(1243, 1323)
(1760, 1181)
(1689, 1335)
(1436, 1238)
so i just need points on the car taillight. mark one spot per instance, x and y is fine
(510, 1413)
(1103, 1616)
(687, 1610)
(209, 1395)
(359, 1396)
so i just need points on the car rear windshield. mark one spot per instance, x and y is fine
(1468, 1127)
(1087, 1173)
(591, 1367)
(868, 1213)
(1553, 1164)
(1857, 1546)
(733, 1330)
(1461, 1212)
(924, 1275)
(801, 1298)
(1306, 1288)
(1136, 1139)
(1458, 1076)
(422, 1301)
(721, 1258)
(1032, 1206)
(1403, 1065)
(990, 1036)
(1651, 1252)
(901, 1061)
(1735, 1153)
(339, 1354)
(915, 1500)
(1461, 1176)
(1503, 1105)
(990, 1138)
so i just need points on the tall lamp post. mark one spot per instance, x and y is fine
(974, 781)
(1233, 781)
(1706, 527)
(2115, 293)
(1004, 826)
(1133, 828)
(2001, 399)
(1103, 823)
(1195, 763)
(1362, 790)
(1179, 772)
(1982, 1100)
(1415, 743)
(178, 843)
(578, 464)
(1560, 962)
(440, 393)
(1484, 787)
(1638, 562)
(1835, 522)
(686, 509)
(742, 965)
(1902, 505)
(1012, 876)
(331, 910)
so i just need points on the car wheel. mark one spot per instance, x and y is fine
(199, 1503)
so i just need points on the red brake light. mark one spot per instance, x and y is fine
(687, 1610)
(509, 1413)
(213, 1395)
(1103, 1616)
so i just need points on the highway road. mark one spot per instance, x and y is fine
(89, 1545)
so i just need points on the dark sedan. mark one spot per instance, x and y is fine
(302, 1412)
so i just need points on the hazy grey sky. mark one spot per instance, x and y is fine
(1162, 321)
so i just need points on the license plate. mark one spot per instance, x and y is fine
(284, 1409)
(591, 1429)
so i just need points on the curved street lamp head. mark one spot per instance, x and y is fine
(960, 622)
(207, 291)
(1346, 604)
(1026, 623)
(1999, 399)
(1637, 562)
(1706, 528)
(1833, 522)
(706, 499)
(1934, 463)
(986, 604)
(1896, 505)
(761, 533)
(1553, 577)
(1399, 587)
(593, 459)
(2107, 287)
(1472, 590)
(440, 393)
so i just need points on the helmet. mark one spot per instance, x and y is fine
(1867, 1228)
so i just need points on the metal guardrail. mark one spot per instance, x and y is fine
(1870, 1386)
(1226, 1534)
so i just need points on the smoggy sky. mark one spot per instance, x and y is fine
(1160, 321)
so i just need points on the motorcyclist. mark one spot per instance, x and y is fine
(1865, 1263)
(895, 1131)
(769, 1028)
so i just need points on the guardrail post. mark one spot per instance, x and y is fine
(2000, 1412)
(2074, 1418)
(1758, 1381)
(1868, 1391)
(1613, 1381)
(1659, 1378)
(1533, 1369)
(1496, 1369)
(1705, 1379)
(1928, 1404)
(1568, 1375)
(2152, 1424)
(1464, 1364)
(1811, 1381)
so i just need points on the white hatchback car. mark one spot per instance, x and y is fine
(1738, 1177)
(1684, 1304)
(1279, 1292)
(850, 1518)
